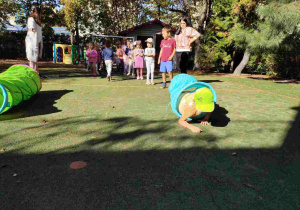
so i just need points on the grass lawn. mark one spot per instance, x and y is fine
(137, 155)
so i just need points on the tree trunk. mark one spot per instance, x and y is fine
(201, 28)
(72, 32)
(77, 37)
(242, 64)
(232, 62)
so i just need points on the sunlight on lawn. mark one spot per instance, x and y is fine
(101, 116)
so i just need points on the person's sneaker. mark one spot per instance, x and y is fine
(138, 78)
(148, 83)
(164, 85)
(152, 83)
(141, 78)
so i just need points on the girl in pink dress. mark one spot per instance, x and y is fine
(139, 60)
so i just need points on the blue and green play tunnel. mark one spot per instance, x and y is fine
(183, 83)
(17, 84)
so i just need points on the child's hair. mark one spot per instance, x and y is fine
(167, 29)
(139, 44)
(118, 45)
(92, 45)
(131, 44)
(124, 41)
(107, 43)
(150, 43)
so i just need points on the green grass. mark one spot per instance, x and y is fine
(142, 118)
(137, 155)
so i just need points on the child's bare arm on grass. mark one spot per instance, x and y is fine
(205, 119)
(183, 122)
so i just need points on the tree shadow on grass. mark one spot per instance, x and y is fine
(210, 81)
(194, 178)
(278, 80)
(40, 104)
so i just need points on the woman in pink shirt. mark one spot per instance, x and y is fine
(184, 37)
(92, 54)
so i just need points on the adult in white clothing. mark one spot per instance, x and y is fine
(34, 38)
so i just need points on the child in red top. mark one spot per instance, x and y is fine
(167, 52)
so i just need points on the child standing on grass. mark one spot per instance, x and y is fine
(150, 61)
(92, 54)
(86, 59)
(167, 52)
(107, 55)
(130, 59)
(120, 52)
(139, 60)
(99, 51)
(125, 48)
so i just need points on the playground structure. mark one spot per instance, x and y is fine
(184, 83)
(17, 84)
(67, 54)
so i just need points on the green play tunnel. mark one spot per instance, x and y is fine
(17, 84)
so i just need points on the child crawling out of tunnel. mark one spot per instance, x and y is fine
(192, 100)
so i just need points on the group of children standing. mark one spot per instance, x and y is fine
(134, 58)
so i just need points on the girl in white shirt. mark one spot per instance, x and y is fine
(150, 61)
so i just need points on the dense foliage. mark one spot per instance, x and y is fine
(266, 30)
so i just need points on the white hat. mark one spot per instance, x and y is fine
(149, 40)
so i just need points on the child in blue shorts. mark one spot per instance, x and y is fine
(167, 52)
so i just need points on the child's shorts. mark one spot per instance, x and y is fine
(166, 66)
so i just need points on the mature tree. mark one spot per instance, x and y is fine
(217, 47)
(76, 13)
(198, 11)
(277, 22)
(113, 16)
(7, 8)
(49, 17)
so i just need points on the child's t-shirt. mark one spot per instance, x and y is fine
(93, 55)
(168, 46)
(120, 53)
(149, 51)
(139, 51)
(130, 54)
(107, 54)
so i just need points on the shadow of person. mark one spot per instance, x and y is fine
(40, 104)
(218, 117)
(210, 81)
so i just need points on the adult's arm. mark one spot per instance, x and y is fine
(195, 35)
(31, 25)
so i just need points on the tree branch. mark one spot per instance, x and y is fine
(171, 9)
(177, 10)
